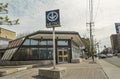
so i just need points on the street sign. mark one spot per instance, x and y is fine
(52, 18)
(117, 27)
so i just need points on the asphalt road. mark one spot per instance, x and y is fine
(113, 60)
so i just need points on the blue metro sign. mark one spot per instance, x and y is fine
(52, 19)
(117, 27)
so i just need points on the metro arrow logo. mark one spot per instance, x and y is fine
(52, 16)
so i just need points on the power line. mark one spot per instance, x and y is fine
(98, 6)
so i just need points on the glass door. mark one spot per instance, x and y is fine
(62, 56)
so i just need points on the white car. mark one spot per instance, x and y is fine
(109, 55)
(102, 56)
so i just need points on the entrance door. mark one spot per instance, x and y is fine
(62, 56)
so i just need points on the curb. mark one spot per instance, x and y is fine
(13, 70)
(102, 69)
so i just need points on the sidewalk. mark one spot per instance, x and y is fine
(112, 71)
(5, 70)
(84, 70)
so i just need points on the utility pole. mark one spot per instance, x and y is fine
(91, 25)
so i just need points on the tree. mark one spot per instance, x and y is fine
(6, 20)
(87, 46)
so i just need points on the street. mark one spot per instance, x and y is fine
(113, 60)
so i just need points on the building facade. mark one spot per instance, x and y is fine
(5, 37)
(115, 42)
(4, 33)
(39, 46)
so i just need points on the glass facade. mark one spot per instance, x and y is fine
(38, 49)
(37, 42)
(34, 50)
(75, 51)
(33, 54)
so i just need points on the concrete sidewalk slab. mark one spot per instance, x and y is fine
(84, 70)
(5, 70)
(112, 71)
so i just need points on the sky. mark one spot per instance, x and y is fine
(74, 14)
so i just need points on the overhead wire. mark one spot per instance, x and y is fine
(98, 6)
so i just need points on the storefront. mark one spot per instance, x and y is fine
(39, 46)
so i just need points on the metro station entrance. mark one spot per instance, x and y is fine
(62, 56)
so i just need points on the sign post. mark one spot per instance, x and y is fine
(54, 62)
(52, 21)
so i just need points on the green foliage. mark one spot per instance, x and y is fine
(87, 45)
(4, 8)
(0, 23)
(6, 20)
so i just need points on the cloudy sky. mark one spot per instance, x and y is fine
(73, 16)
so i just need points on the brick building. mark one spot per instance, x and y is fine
(115, 42)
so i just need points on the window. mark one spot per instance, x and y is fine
(34, 42)
(45, 53)
(62, 43)
(43, 43)
(35, 54)
(27, 42)
(49, 42)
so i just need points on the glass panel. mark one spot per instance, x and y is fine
(62, 43)
(29, 53)
(65, 56)
(35, 54)
(11, 53)
(8, 54)
(60, 56)
(50, 42)
(45, 53)
(34, 42)
(26, 42)
(75, 52)
(4, 56)
(22, 54)
(42, 42)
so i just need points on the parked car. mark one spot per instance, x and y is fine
(102, 56)
(115, 54)
(109, 55)
(118, 54)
